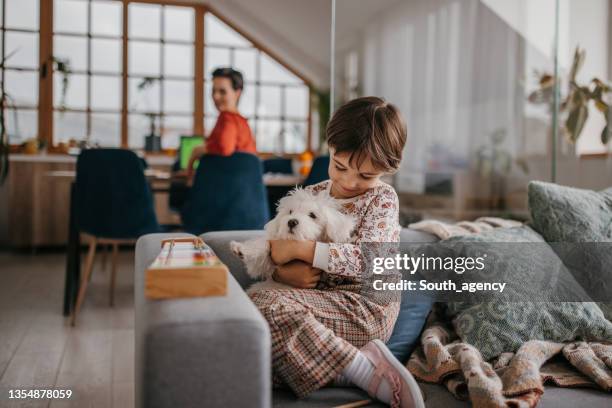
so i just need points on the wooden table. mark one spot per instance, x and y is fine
(151, 174)
(282, 180)
(269, 179)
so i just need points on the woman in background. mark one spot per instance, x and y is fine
(231, 132)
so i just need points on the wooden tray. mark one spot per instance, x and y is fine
(185, 268)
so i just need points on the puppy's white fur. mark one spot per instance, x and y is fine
(314, 217)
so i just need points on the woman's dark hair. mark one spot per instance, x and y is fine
(232, 75)
(369, 126)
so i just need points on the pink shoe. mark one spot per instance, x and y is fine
(406, 391)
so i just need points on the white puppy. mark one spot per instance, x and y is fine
(302, 215)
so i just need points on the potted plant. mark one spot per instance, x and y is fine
(576, 102)
(62, 65)
(494, 163)
(153, 139)
(320, 100)
(5, 101)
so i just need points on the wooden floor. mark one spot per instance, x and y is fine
(38, 348)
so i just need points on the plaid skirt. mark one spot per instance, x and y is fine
(316, 333)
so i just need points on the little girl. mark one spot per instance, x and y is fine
(336, 334)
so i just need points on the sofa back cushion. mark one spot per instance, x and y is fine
(567, 214)
(219, 242)
(523, 313)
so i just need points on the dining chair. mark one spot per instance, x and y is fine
(277, 165)
(228, 193)
(113, 205)
(178, 190)
(318, 171)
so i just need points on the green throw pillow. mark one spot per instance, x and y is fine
(567, 214)
(503, 326)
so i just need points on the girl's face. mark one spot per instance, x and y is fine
(348, 181)
(224, 96)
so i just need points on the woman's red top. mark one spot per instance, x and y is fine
(231, 134)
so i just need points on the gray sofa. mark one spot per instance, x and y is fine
(215, 351)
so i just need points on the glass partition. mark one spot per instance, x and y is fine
(481, 83)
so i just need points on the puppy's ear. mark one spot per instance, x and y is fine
(236, 248)
(338, 226)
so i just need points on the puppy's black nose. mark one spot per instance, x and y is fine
(292, 223)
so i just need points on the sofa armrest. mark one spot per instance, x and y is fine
(209, 351)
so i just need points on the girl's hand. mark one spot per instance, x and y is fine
(285, 250)
(297, 274)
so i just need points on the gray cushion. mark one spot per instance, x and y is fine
(567, 214)
(219, 242)
(506, 323)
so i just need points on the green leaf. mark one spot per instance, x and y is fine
(601, 105)
(522, 164)
(579, 56)
(605, 135)
(576, 120)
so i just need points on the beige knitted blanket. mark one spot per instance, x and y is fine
(443, 230)
(512, 379)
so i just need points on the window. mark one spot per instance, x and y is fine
(275, 100)
(19, 33)
(113, 88)
(87, 71)
(161, 72)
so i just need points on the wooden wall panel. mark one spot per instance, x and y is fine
(20, 192)
(51, 205)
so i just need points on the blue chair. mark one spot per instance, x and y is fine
(113, 204)
(318, 172)
(277, 165)
(227, 194)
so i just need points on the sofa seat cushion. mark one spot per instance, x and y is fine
(436, 396)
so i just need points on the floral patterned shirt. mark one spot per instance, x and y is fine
(376, 213)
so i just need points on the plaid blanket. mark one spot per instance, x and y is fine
(511, 378)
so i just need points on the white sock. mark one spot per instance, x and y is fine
(360, 372)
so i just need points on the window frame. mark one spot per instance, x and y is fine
(45, 107)
(3, 68)
(89, 73)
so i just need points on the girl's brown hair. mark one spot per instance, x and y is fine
(368, 127)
